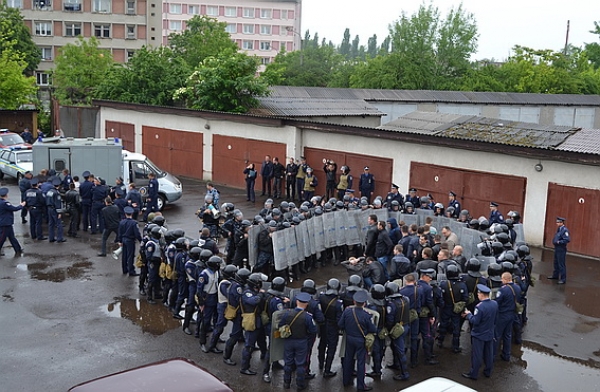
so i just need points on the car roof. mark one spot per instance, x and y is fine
(438, 384)
(177, 375)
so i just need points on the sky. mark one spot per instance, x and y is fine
(539, 24)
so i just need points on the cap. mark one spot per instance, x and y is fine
(56, 182)
(309, 169)
(360, 296)
(128, 210)
(451, 193)
(493, 204)
(428, 271)
(412, 190)
(560, 219)
(483, 288)
(349, 190)
(86, 174)
(394, 186)
(303, 297)
(119, 192)
(3, 191)
(366, 167)
(34, 181)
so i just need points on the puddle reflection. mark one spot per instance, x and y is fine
(153, 319)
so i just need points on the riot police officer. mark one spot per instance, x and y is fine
(331, 305)
(234, 297)
(456, 295)
(394, 195)
(55, 212)
(250, 301)
(153, 258)
(377, 303)
(35, 202)
(207, 296)
(397, 312)
(275, 300)
(228, 275)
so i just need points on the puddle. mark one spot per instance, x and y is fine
(554, 372)
(153, 319)
(43, 271)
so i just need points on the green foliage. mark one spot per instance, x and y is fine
(15, 87)
(44, 122)
(80, 69)
(226, 82)
(151, 77)
(15, 36)
(204, 37)
(593, 48)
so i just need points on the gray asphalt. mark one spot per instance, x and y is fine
(68, 316)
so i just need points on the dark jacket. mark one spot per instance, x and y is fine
(371, 241)
(267, 169)
(278, 170)
(112, 217)
(383, 246)
(375, 271)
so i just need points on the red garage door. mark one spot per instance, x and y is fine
(177, 152)
(231, 153)
(581, 208)
(381, 168)
(475, 189)
(124, 131)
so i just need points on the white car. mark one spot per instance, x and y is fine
(438, 384)
(15, 161)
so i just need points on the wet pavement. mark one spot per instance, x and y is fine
(68, 316)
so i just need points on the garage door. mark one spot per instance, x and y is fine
(381, 168)
(475, 189)
(124, 131)
(177, 152)
(231, 153)
(581, 208)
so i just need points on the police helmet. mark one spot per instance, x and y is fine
(474, 224)
(255, 281)
(346, 198)
(195, 253)
(318, 211)
(208, 198)
(227, 207)
(395, 203)
(450, 210)
(268, 203)
(485, 248)
(258, 220)
(364, 202)
(522, 251)
(178, 233)
(497, 229)
(439, 205)
(355, 280)
(286, 225)
(408, 204)
(284, 206)
(238, 214)
(292, 205)
(484, 224)
(180, 243)
(509, 223)
(170, 236)
(502, 238)
(507, 266)
(317, 199)
(333, 286)
(304, 208)
(148, 228)
(268, 218)
(424, 200)
(246, 223)
(392, 289)
(495, 272)
(277, 285)
(332, 201)
(378, 294)
(497, 248)
(241, 276)
(464, 212)
(159, 220)
(295, 221)
(308, 286)
(515, 216)
(205, 254)
(301, 217)
(193, 243)
(272, 224)
(276, 212)
(327, 207)
(339, 204)
(229, 271)
(473, 268)
(452, 272)
(156, 232)
(214, 262)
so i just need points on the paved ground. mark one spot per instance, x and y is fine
(68, 316)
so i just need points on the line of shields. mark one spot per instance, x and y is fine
(349, 227)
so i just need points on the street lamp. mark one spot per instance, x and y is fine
(291, 29)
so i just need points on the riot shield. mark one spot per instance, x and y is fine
(253, 244)
(352, 228)
(277, 344)
(409, 219)
(395, 214)
(518, 228)
(469, 239)
(374, 318)
(310, 229)
(279, 249)
(382, 214)
(291, 246)
(330, 230)
(307, 240)
(300, 239)
(319, 233)
(363, 224)
(485, 263)
(340, 227)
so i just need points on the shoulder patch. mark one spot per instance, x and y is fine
(476, 310)
(239, 290)
(201, 279)
(389, 309)
(248, 295)
(498, 293)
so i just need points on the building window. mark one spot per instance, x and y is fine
(193, 9)
(212, 10)
(248, 45)
(266, 14)
(248, 29)
(46, 53)
(130, 9)
(175, 8)
(284, 14)
(248, 13)
(42, 79)
(265, 29)
(72, 5)
(175, 25)
(283, 30)
(265, 60)
(130, 32)
(43, 29)
(231, 12)
(102, 30)
(101, 6)
(43, 5)
(231, 28)
(130, 54)
(265, 45)
(15, 3)
(72, 29)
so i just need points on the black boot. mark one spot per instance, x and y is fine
(189, 312)
(151, 295)
(177, 309)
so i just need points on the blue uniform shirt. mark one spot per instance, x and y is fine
(85, 190)
(496, 217)
(366, 183)
(351, 325)
(562, 237)
(53, 199)
(483, 320)
(506, 297)
(153, 188)
(7, 217)
(413, 292)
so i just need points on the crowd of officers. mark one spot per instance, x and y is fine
(424, 292)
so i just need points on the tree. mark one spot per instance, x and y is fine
(16, 88)
(204, 37)
(226, 82)
(344, 49)
(151, 77)
(593, 48)
(354, 48)
(372, 46)
(80, 69)
(17, 38)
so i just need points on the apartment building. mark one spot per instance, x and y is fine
(259, 27)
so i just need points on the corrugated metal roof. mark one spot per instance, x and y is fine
(482, 129)
(309, 107)
(585, 141)
(489, 98)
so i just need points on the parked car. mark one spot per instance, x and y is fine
(176, 375)
(8, 139)
(438, 384)
(15, 161)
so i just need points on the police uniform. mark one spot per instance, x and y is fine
(414, 293)
(182, 287)
(134, 197)
(73, 204)
(35, 202)
(99, 194)
(127, 234)
(427, 302)
(391, 196)
(482, 321)
(295, 348)
(24, 186)
(273, 303)
(221, 320)
(314, 310)
(250, 301)
(454, 204)
(453, 291)
(7, 220)
(380, 307)
(506, 299)
(55, 210)
(356, 323)
(233, 299)
(85, 190)
(191, 273)
(415, 200)
(208, 281)
(495, 216)
(152, 197)
(331, 306)
(398, 311)
(560, 241)
(366, 185)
